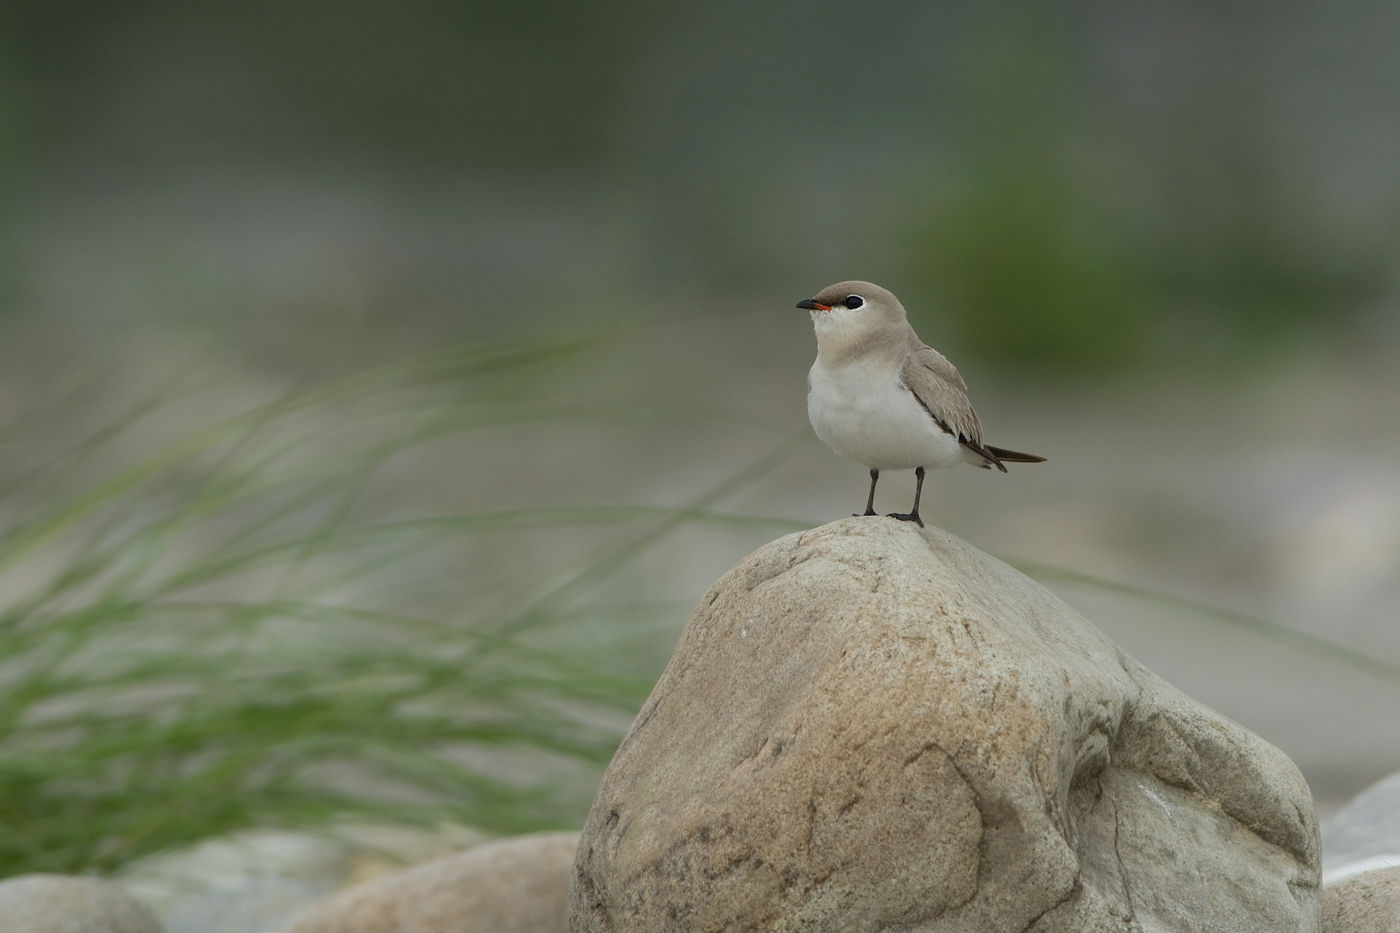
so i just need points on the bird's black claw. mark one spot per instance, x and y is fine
(907, 517)
(864, 514)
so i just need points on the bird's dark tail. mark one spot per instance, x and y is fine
(1013, 456)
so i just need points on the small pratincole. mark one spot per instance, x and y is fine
(882, 397)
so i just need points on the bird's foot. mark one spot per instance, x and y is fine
(907, 517)
(864, 514)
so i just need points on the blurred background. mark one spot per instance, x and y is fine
(380, 386)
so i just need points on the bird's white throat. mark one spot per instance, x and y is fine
(839, 331)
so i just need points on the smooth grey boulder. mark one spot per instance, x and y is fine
(1364, 903)
(68, 904)
(255, 880)
(875, 727)
(1365, 834)
(517, 885)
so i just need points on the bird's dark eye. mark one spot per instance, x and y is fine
(854, 301)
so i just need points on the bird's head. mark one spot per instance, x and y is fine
(850, 315)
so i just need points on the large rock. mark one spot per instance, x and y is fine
(517, 885)
(1365, 903)
(66, 904)
(874, 727)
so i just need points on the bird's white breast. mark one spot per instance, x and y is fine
(862, 411)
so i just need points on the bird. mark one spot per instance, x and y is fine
(880, 396)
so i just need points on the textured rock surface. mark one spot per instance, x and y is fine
(515, 885)
(1366, 903)
(64, 904)
(874, 727)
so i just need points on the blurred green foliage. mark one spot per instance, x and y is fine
(1018, 248)
(502, 87)
(1019, 277)
(1036, 254)
(1070, 188)
(230, 632)
(1028, 266)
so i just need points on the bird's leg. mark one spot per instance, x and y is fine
(870, 500)
(918, 491)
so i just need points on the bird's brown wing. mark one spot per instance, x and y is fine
(939, 387)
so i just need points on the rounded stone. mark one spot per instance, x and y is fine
(517, 885)
(872, 727)
(68, 904)
(1365, 903)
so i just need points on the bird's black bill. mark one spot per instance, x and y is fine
(811, 304)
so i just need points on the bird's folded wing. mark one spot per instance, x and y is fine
(939, 387)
